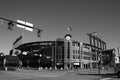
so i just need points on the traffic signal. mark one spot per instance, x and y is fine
(38, 33)
(10, 25)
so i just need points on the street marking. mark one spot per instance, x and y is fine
(105, 78)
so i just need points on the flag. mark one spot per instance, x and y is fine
(69, 28)
(17, 42)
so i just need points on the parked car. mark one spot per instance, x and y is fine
(11, 62)
(2, 62)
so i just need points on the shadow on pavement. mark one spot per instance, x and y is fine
(102, 75)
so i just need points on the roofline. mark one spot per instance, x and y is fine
(29, 43)
(107, 50)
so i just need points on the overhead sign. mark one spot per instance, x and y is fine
(25, 23)
(76, 63)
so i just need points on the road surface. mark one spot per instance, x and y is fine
(53, 75)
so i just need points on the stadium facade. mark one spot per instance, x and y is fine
(62, 53)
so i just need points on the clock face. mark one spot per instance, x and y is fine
(68, 37)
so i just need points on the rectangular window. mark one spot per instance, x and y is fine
(78, 56)
(73, 56)
(68, 56)
(73, 44)
(73, 51)
(76, 51)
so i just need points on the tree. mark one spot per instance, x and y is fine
(108, 57)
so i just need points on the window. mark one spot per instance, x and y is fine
(76, 51)
(73, 56)
(73, 51)
(68, 56)
(78, 57)
(73, 44)
(86, 57)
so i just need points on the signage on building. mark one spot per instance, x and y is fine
(46, 43)
(60, 39)
(76, 63)
(59, 63)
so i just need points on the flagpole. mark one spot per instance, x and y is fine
(68, 32)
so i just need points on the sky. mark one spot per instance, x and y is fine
(54, 16)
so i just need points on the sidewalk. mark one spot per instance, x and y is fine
(80, 71)
(95, 71)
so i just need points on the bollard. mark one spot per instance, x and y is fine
(6, 68)
(39, 68)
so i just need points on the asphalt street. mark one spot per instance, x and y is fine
(55, 75)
